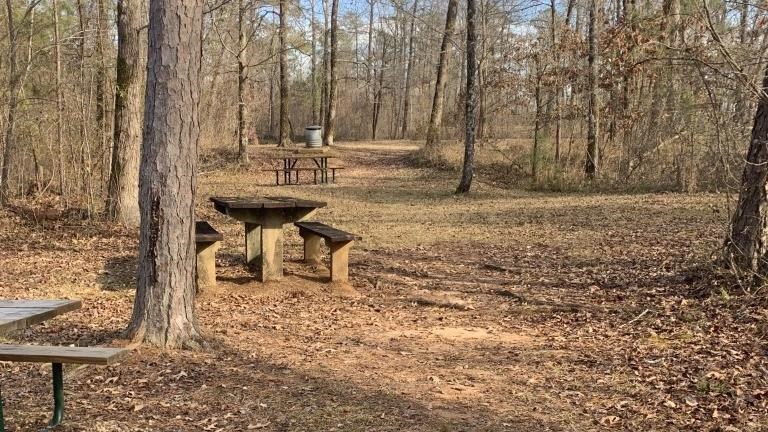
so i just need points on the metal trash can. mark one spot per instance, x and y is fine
(313, 136)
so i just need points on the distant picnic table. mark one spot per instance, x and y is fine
(264, 218)
(291, 166)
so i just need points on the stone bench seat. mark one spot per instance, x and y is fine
(207, 242)
(340, 242)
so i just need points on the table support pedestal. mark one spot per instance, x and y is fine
(272, 248)
(252, 244)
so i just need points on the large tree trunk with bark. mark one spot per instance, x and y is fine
(164, 309)
(330, 124)
(123, 191)
(470, 106)
(593, 156)
(747, 242)
(285, 128)
(408, 74)
(436, 116)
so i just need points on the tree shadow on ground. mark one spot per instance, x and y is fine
(247, 391)
(119, 273)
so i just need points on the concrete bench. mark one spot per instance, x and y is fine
(57, 355)
(340, 242)
(207, 242)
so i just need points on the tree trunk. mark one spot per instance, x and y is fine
(101, 78)
(285, 131)
(164, 309)
(593, 156)
(123, 191)
(379, 90)
(436, 116)
(370, 77)
(326, 64)
(537, 120)
(59, 104)
(408, 74)
(242, 136)
(747, 243)
(10, 151)
(556, 63)
(470, 106)
(313, 27)
(331, 122)
(85, 142)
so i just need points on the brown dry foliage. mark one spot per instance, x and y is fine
(580, 312)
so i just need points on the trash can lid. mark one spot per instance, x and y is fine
(314, 127)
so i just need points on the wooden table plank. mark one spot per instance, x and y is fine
(20, 314)
(62, 354)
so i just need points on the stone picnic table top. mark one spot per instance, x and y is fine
(264, 219)
(273, 202)
(20, 314)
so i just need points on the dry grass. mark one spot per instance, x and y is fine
(575, 315)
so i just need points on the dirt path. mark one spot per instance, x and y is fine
(505, 310)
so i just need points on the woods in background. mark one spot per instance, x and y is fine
(657, 95)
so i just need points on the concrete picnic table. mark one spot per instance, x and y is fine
(264, 218)
(290, 160)
(20, 314)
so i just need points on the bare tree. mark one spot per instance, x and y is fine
(408, 74)
(13, 93)
(436, 115)
(470, 106)
(59, 101)
(313, 59)
(593, 156)
(285, 131)
(747, 242)
(164, 308)
(242, 137)
(330, 123)
(123, 190)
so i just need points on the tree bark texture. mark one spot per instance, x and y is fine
(408, 74)
(10, 151)
(470, 106)
(593, 156)
(285, 129)
(330, 127)
(164, 309)
(59, 103)
(436, 115)
(242, 136)
(747, 242)
(123, 190)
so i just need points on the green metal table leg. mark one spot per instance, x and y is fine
(58, 395)
(2, 419)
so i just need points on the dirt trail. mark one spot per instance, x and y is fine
(504, 310)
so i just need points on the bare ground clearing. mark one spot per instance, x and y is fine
(504, 310)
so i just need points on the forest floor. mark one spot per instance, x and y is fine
(504, 310)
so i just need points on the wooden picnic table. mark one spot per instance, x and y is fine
(264, 218)
(291, 160)
(20, 314)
